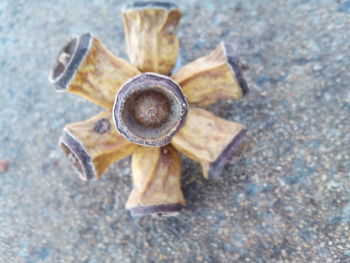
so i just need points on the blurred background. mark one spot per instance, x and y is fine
(286, 200)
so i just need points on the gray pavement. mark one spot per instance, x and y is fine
(287, 200)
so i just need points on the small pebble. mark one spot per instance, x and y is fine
(3, 165)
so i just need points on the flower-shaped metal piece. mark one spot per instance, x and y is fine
(148, 114)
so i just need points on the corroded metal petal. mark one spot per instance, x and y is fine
(209, 140)
(87, 68)
(94, 144)
(156, 176)
(217, 76)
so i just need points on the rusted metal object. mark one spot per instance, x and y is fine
(149, 114)
(149, 109)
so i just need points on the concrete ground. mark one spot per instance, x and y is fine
(287, 200)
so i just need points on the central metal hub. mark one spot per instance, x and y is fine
(149, 109)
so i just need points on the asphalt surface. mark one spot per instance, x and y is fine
(286, 200)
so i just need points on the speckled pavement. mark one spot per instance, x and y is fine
(287, 200)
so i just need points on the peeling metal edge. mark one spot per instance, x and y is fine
(159, 210)
(81, 51)
(216, 168)
(150, 4)
(233, 61)
(74, 145)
